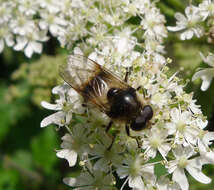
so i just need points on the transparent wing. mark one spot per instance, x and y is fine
(91, 80)
(78, 71)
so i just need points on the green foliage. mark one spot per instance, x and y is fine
(27, 154)
(36, 79)
(206, 100)
(10, 113)
(9, 180)
(43, 152)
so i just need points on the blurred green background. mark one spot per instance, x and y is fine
(27, 152)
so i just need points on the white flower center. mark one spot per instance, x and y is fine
(201, 134)
(76, 144)
(134, 170)
(30, 36)
(67, 107)
(135, 167)
(211, 7)
(181, 126)
(21, 21)
(50, 19)
(155, 142)
(157, 97)
(2, 12)
(153, 45)
(2, 32)
(132, 9)
(183, 162)
(151, 24)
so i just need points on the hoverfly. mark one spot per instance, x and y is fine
(106, 91)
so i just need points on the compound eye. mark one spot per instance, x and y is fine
(147, 112)
(138, 124)
(112, 92)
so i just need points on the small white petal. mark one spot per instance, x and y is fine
(210, 60)
(209, 136)
(203, 57)
(101, 165)
(175, 28)
(55, 118)
(60, 21)
(69, 155)
(171, 127)
(180, 177)
(69, 181)
(148, 169)
(43, 25)
(151, 152)
(77, 50)
(51, 106)
(186, 115)
(206, 83)
(163, 183)
(69, 116)
(1, 45)
(37, 47)
(208, 157)
(164, 149)
(21, 43)
(187, 35)
(172, 166)
(206, 75)
(175, 114)
(198, 32)
(54, 29)
(61, 89)
(9, 40)
(122, 172)
(29, 50)
(137, 183)
(180, 17)
(198, 175)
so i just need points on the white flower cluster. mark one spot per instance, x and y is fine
(191, 22)
(175, 140)
(198, 21)
(25, 24)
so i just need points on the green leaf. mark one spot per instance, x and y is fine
(9, 180)
(23, 158)
(43, 150)
(160, 170)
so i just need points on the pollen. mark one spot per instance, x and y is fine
(81, 163)
(91, 146)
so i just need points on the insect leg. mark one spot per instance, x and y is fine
(127, 130)
(128, 133)
(86, 108)
(113, 137)
(143, 91)
(138, 88)
(112, 142)
(109, 126)
(127, 74)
